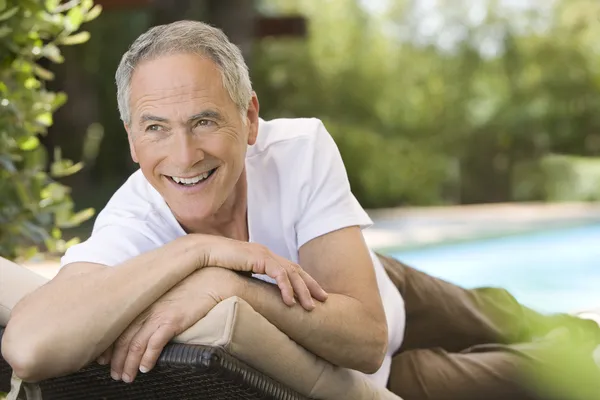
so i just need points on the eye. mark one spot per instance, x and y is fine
(154, 127)
(204, 122)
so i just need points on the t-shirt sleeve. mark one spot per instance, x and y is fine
(327, 203)
(113, 241)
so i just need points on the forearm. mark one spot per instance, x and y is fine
(70, 321)
(340, 330)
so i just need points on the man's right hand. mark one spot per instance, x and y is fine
(140, 345)
(291, 279)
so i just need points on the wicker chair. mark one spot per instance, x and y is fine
(182, 372)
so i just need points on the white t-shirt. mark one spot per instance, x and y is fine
(298, 190)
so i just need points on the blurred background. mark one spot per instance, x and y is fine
(431, 102)
(470, 129)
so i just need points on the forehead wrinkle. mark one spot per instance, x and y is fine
(148, 104)
(178, 97)
(189, 92)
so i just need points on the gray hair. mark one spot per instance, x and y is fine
(191, 37)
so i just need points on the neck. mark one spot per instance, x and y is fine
(231, 219)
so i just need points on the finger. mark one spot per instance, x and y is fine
(283, 282)
(104, 358)
(316, 291)
(136, 350)
(156, 344)
(300, 288)
(313, 286)
(121, 348)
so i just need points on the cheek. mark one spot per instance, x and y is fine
(149, 155)
(226, 149)
(235, 157)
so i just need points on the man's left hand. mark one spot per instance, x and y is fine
(140, 345)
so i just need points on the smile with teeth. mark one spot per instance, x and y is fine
(193, 180)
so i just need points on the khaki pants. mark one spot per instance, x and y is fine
(480, 344)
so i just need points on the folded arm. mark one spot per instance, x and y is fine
(69, 321)
(349, 329)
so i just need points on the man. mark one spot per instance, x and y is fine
(221, 191)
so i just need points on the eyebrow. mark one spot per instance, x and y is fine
(147, 117)
(201, 115)
(207, 114)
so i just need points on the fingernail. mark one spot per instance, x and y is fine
(126, 378)
(102, 361)
(143, 369)
(115, 375)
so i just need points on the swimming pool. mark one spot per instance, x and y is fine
(550, 271)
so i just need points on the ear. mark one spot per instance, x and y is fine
(252, 119)
(131, 145)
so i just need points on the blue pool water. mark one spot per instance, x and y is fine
(552, 271)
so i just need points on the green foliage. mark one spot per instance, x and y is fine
(558, 178)
(34, 206)
(562, 367)
(434, 105)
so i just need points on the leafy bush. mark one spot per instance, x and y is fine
(558, 178)
(387, 172)
(34, 206)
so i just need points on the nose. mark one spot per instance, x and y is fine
(184, 151)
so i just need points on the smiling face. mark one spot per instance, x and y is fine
(187, 135)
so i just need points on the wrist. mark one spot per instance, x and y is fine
(221, 282)
(239, 284)
(249, 289)
(198, 245)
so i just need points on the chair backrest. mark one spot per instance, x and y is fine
(182, 372)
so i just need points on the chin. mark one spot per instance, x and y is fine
(193, 216)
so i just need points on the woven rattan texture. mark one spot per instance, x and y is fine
(184, 372)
